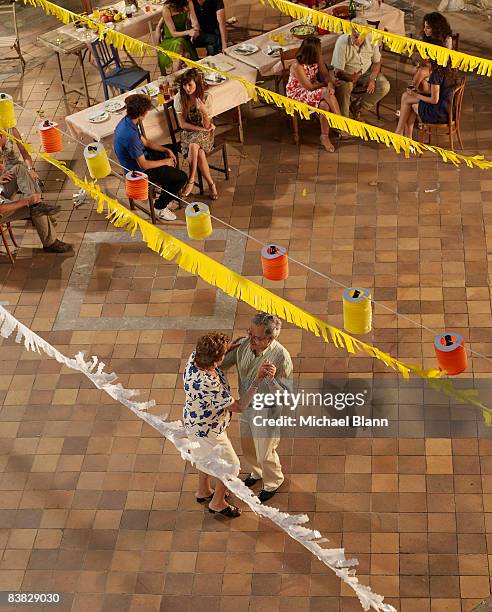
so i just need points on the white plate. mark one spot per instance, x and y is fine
(148, 90)
(214, 79)
(272, 50)
(99, 117)
(114, 106)
(246, 49)
(364, 3)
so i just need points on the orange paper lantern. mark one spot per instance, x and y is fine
(137, 185)
(274, 262)
(51, 137)
(451, 353)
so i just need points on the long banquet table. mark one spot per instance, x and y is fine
(224, 97)
(390, 18)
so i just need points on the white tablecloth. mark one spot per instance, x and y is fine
(224, 97)
(137, 26)
(389, 17)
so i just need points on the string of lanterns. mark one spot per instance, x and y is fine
(357, 302)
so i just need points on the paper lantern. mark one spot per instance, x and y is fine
(51, 137)
(357, 310)
(198, 220)
(137, 185)
(451, 353)
(274, 262)
(97, 160)
(7, 112)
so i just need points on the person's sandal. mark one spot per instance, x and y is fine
(328, 147)
(231, 511)
(187, 189)
(212, 191)
(202, 500)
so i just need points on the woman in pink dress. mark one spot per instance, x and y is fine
(311, 82)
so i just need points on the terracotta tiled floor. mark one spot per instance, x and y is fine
(97, 505)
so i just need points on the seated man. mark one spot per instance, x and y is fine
(213, 30)
(135, 152)
(357, 65)
(28, 207)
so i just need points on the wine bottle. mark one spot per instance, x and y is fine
(352, 9)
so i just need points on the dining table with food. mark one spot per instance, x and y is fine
(136, 19)
(99, 121)
(263, 52)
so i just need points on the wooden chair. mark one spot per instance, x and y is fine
(174, 130)
(6, 227)
(150, 201)
(455, 38)
(8, 43)
(453, 124)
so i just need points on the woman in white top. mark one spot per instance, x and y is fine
(436, 27)
(192, 106)
(207, 414)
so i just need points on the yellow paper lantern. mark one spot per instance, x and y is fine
(357, 311)
(97, 160)
(7, 112)
(198, 220)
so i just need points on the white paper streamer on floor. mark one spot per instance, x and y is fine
(293, 525)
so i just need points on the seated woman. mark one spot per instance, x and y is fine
(310, 82)
(207, 414)
(174, 34)
(432, 108)
(435, 29)
(192, 106)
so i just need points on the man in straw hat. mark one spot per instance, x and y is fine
(357, 65)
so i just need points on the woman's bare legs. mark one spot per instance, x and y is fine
(205, 170)
(325, 128)
(219, 502)
(204, 489)
(407, 113)
(193, 150)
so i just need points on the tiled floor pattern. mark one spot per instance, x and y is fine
(99, 506)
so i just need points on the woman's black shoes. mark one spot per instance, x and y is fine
(230, 511)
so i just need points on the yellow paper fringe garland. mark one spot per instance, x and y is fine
(238, 287)
(355, 128)
(396, 43)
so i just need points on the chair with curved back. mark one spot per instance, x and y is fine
(4, 228)
(453, 125)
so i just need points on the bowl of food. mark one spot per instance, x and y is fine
(302, 31)
(342, 12)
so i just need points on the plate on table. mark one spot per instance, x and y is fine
(364, 3)
(114, 106)
(148, 90)
(273, 50)
(99, 117)
(246, 49)
(214, 78)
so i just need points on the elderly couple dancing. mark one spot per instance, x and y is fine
(263, 366)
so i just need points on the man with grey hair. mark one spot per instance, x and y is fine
(261, 350)
(357, 65)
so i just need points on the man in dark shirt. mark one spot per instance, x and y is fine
(212, 21)
(135, 152)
